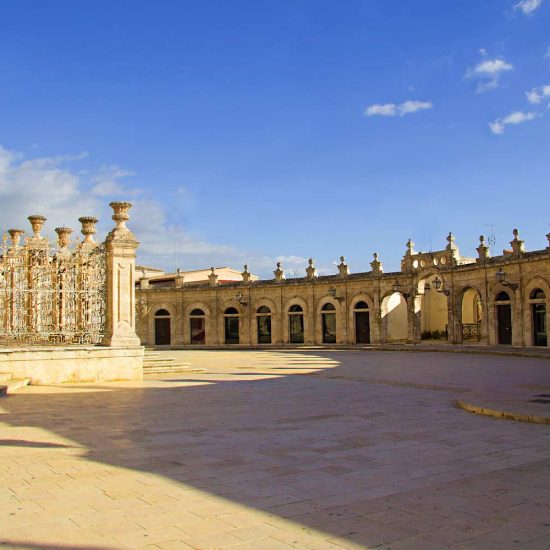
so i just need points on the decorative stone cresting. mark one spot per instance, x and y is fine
(37, 222)
(279, 273)
(15, 235)
(63, 235)
(88, 228)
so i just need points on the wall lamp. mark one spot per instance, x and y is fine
(501, 278)
(437, 282)
(240, 298)
(332, 293)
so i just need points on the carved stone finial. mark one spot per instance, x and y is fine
(120, 215)
(213, 278)
(246, 275)
(179, 278)
(279, 273)
(410, 248)
(376, 265)
(88, 228)
(343, 269)
(37, 221)
(482, 250)
(548, 237)
(63, 234)
(311, 272)
(518, 246)
(451, 240)
(15, 235)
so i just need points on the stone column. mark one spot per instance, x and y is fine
(121, 245)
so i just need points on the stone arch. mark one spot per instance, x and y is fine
(493, 308)
(170, 308)
(373, 316)
(431, 308)
(319, 312)
(231, 303)
(532, 284)
(470, 314)
(186, 321)
(295, 300)
(275, 319)
(395, 317)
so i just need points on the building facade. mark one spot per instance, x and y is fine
(440, 295)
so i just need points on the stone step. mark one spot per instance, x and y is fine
(5, 376)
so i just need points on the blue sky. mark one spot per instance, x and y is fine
(248, 131)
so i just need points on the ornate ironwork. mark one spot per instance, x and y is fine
(52, 294)
(471, 331)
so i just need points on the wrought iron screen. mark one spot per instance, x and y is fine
(52, 294)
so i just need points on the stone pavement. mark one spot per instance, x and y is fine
(273, 449)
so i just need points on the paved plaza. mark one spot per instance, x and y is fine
(281, 449)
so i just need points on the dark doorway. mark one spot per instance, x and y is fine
(162, 331)
(264, 325)
(329, 324)
(231, 320)
(540, 337)
(296, 324)
(362, 327)
(504, 320)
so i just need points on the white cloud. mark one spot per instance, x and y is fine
(385, 109)
(528, 6)
(547, 54)
(106, 181)
(392, 109)
(488, 71)
(536, 95)
(51, 186)
(517, 117)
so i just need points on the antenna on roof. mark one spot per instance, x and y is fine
(491, 240)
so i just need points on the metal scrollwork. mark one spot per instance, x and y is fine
(52, 294)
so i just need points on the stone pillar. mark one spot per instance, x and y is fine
(121, 245)
(518, 246)
(311, 272)
(279, 273)
(343, 269)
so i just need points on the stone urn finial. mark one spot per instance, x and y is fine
(343, 269)
(88, 228)
(37, 221)
(63, 234)
(410, 248)
(120, 215)
(279, 273)
(15, 235)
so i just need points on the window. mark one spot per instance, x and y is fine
(264, 325)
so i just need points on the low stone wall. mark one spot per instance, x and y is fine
(55, 365)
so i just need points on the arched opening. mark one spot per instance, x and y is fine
(362, 323)
(162, 328)
(263, 319)
(504, 318)
(296, 324)
(197, 324)
(472, 313)
(328, 318)
(394, 308)
(537, 300)
(231, 325)
(433, 309)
